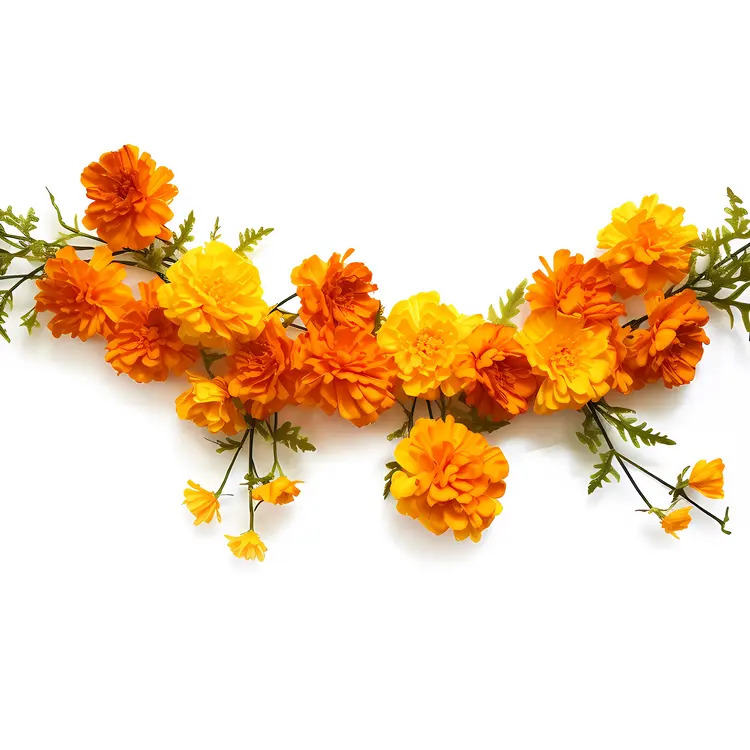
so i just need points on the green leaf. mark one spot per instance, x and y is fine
(181, 238)
(629, 428)
(24, 223)
(29, 321)
(5, 260)
(605, 471)
(289, 435)
(228, 444)
(250, 238)
(255, 481)
(215, 232)
(712, 242)
(510, 308)
(263, 430)
(210, 358)
(590, 436)
(469, 417)
(401, 432)
(152, 258)
(6, 305)
(392, 467)
(379, 320)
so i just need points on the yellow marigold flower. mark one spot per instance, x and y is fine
(449, 478)
(87, 299)
(258, 371)
(144, 344)
(207, 403)
(647, 246)
(424, 336)
(201, 503)
(500, 381)
(131, 198)
(247, 545)
(336, 291)
(575, 288)
(574, 362)
(214, 296)
(673, 344)
(343, 368)
(279, 492)
(708, 478)
(677, 520)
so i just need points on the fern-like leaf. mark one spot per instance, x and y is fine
(508, 309)
(605, 472)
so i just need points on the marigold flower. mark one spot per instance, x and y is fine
(336, 291)
(708, 478)
(131, 198)
(214, 296)
(144, 344)
(575, 288)
(647, 246)
(258, 371)
(574, 362)
(449, 478)
(624, 374)
(207, 403)
(201, 503)
(673, 345)
(500, 381)
(278, 492)
(247, 545)
(86, 298)
(424, 337)
(343, 368)
(677, 520)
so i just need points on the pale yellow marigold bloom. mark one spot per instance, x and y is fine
(573, 362)
(247, 545)
(278, 492)
(677, 520)
(201, 503)
(708, 478)
(215, 297)
(425, 337)
(647, 246)
(207, 403)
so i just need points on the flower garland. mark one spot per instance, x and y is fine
(203, 316)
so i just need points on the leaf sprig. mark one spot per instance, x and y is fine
(508, 309)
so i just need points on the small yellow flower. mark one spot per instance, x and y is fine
(278, 492)
(214, 296)
(207, 403)
(201, 503)
(677, 520)
(247, 545)
(708, 478)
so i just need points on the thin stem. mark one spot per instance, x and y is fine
(294, 325)
(251, 476)
(231, 465)
(411, 413)
(593, 411)
(443, 405)
(279, 304)
(429, 408)
(275, 444)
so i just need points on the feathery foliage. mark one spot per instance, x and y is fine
(250, 238)
(508, 309)
(605, 471)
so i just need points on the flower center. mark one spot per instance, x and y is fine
(564, 359)
(427, 343)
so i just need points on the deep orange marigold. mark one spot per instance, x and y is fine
(144, 344)
(207, 403)
(131, 198)
(338, 367)
(647, 246)
(499, 376)
(258, 371)
(86, 298)
(336, 291)
(449, 478)
(673, 344)
(575, 288)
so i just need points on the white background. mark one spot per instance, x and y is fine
(450, 144)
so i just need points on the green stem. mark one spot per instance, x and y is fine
(411, 413)
(429, 408)
(251, 476)
(279, 304)
(231, 465)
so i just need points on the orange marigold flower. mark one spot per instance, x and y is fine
(425, 338)
(258, 371)
(575, 288)
(449, 478)
(207, 403)
(144, 344)
(247, 545)
(86, 298)
(336, 291)
(673, 345)
(677, 520)
(214, 295)
(201, 503)
(131, 198)
(647, 246)
(573, 361)
(499, 374)
(279, 492)
(343, 368)
(708, 478)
